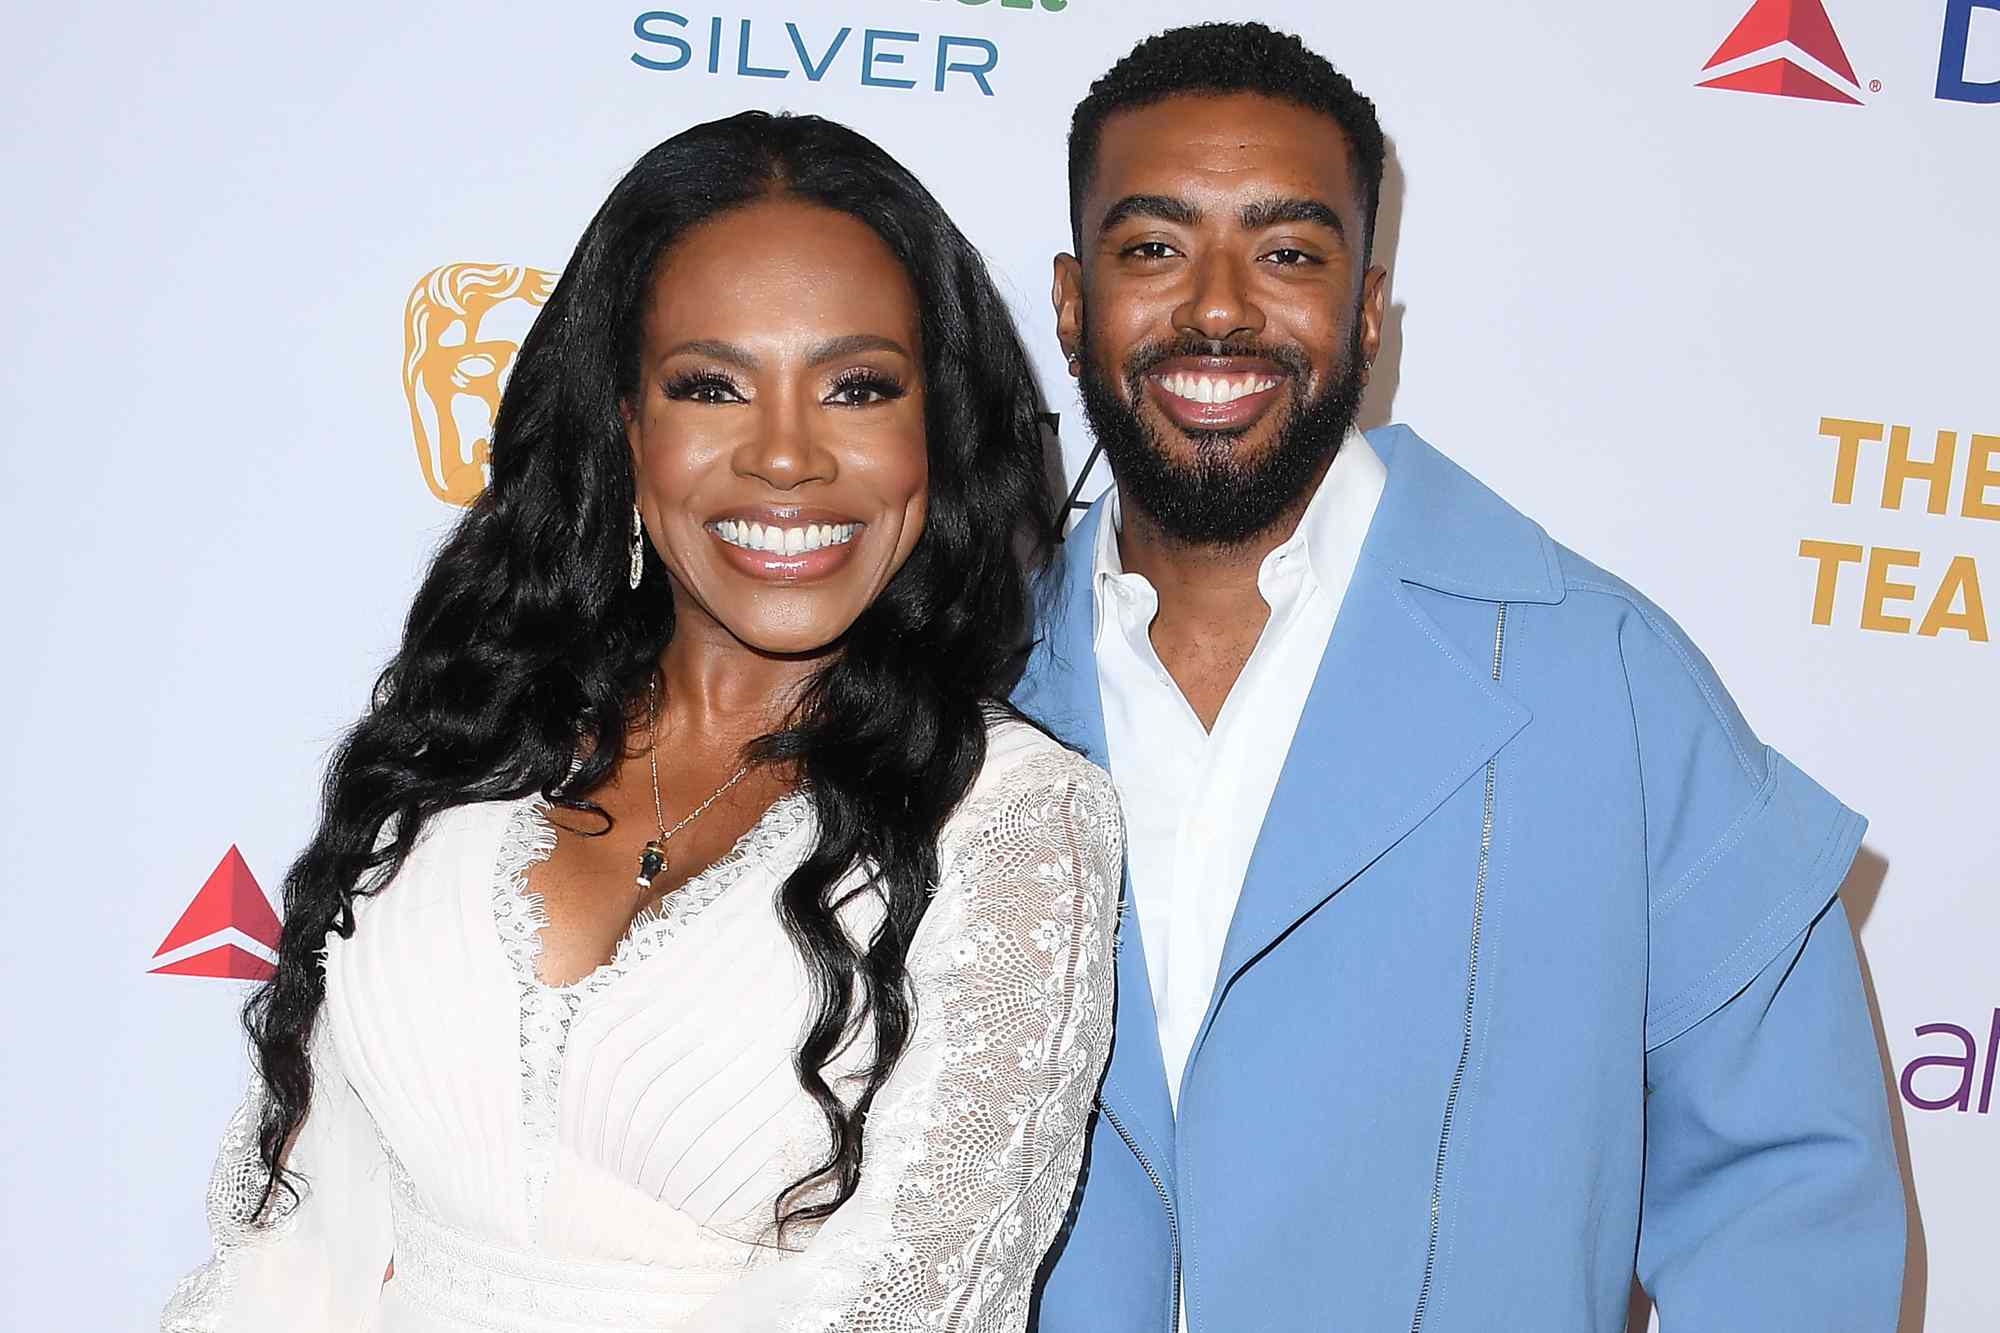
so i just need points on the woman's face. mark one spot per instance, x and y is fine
(777, 435)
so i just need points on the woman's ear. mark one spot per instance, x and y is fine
(631, 416)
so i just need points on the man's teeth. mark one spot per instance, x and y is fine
(784, 541)
(1216, 388)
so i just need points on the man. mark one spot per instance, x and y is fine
(1478, 953)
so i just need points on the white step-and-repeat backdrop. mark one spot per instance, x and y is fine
(1711, 293)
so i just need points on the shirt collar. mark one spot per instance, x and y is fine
(1330, 531)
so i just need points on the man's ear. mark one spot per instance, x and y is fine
(1067, 296)
(1374, 302)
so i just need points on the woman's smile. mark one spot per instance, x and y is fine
(785, 544)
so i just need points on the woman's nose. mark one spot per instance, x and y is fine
(784, 451)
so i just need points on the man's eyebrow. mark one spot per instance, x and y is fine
(851, 343)
(727, 353)
(1164, 207)
(1276, 212)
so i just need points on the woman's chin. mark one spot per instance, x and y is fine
(787, 640)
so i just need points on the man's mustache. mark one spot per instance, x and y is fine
(1146, 356)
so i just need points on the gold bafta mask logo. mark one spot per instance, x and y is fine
(461, 328)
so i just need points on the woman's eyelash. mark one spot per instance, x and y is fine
(691, 383)
(881, 384)
(710, 386)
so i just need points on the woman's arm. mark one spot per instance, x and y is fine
(314, 1264)
(971, 1150)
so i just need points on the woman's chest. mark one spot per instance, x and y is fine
(663, 1077)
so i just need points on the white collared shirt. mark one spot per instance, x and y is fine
(1194, 800)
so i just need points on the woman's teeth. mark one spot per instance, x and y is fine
(1216, 388)
(784, 541)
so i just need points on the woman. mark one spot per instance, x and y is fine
(693, 939)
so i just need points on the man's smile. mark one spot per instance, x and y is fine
(1207, 393)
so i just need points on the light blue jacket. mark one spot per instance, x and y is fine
(1537, 975)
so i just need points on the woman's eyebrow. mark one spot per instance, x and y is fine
(726, 352)
(850, 343)
(830, 349)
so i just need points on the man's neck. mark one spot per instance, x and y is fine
(1211, 611)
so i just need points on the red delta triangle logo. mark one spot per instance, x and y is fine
(1781, 28)
(229, 904)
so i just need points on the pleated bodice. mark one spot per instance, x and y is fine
(644, 1114)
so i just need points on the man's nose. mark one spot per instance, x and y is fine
(785, 450)
(1219, 306)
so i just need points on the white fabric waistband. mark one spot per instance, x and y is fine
(475, 1284)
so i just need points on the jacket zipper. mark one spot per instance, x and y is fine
(1471, 998)
(1173, 1221)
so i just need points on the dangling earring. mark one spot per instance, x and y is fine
(1075, 364)
(638, 551)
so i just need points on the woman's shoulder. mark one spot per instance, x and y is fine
(1021, 757)
(456, 845)
(1027, 770)
(1037, 840)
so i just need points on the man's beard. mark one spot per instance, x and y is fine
(1221, 498)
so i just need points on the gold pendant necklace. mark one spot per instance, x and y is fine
(653, 857)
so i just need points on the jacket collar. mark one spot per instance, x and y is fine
(1439, 527)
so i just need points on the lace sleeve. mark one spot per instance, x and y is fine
(972, 1148)
(306, 1264)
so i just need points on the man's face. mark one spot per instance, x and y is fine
(1221, 308)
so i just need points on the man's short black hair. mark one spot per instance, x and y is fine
(1217, 58)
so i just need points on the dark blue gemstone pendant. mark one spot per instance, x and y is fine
(651, 862)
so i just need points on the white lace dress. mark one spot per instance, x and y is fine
(606, 1155)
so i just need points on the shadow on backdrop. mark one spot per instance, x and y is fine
(1378, 403)
(1859, 893)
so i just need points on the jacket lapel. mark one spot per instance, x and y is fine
(1398, 717)
(1060, 690)
(1397, 720)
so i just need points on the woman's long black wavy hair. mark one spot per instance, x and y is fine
(525, 645)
